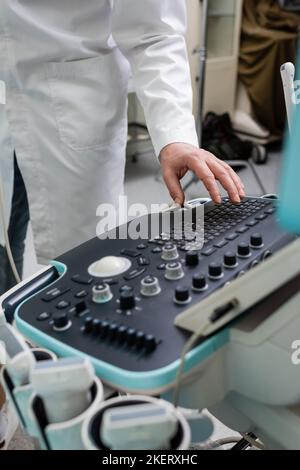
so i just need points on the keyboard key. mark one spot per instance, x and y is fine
(261, 217)
(270, 211)
(252, 223)
(231, 237)
(242, 229)
(209, 252)
(221, 244)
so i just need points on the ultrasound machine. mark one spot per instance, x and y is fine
(130, 336)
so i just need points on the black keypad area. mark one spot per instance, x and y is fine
(224, 219)
(127, 320)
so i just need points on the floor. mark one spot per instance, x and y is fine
(144, 185)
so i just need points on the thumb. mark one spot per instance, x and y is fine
(174, 187)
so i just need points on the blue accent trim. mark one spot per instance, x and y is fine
(138, 381)
(60, 267)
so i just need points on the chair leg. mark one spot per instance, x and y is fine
(235, 164)
(249, 165)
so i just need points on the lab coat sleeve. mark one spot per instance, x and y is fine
(150, 33)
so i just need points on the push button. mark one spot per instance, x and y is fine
(252, 223)
(130, 253)
(111, 281)
(209, 252)
(231, 237)
(142, 246)
(131, 336)
(150, 343)
(140, 339)
(270, 211)
(43, 316)
(104, 328)
(80, 279)
(54, 293)
(81, 294)
(221, 244)
(143, 261)
(88, 324)
(242, 229)
(126, 288)
(134, 274)
(112, 331)
(96, 326)
(80, 309)
(121, 334)
(161, 267)
(261, 217)
(62, 305)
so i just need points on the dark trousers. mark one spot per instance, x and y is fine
(17, 230)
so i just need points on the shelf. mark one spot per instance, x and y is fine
(220, 36)
(222, 8)
(219, 14)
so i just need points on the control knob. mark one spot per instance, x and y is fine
(215, 271)
(174, 271)
(150, 286)
(182, 295)
(192, 258)
(199, 282)
(230, 260)
(256, 240)
(61, 322)
(169, 252)
(244, 250)
(101, 293)
(127, 301)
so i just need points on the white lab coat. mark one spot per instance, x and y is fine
(66, 64)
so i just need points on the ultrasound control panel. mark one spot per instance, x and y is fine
(117, 299)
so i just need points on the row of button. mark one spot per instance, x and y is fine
(120, 334)
(215, 273)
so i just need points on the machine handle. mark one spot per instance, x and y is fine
(11, 302)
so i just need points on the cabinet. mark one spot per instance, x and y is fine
(223, 41)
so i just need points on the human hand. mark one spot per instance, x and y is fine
(178, 158)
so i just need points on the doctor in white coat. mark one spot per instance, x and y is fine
(66, 64)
